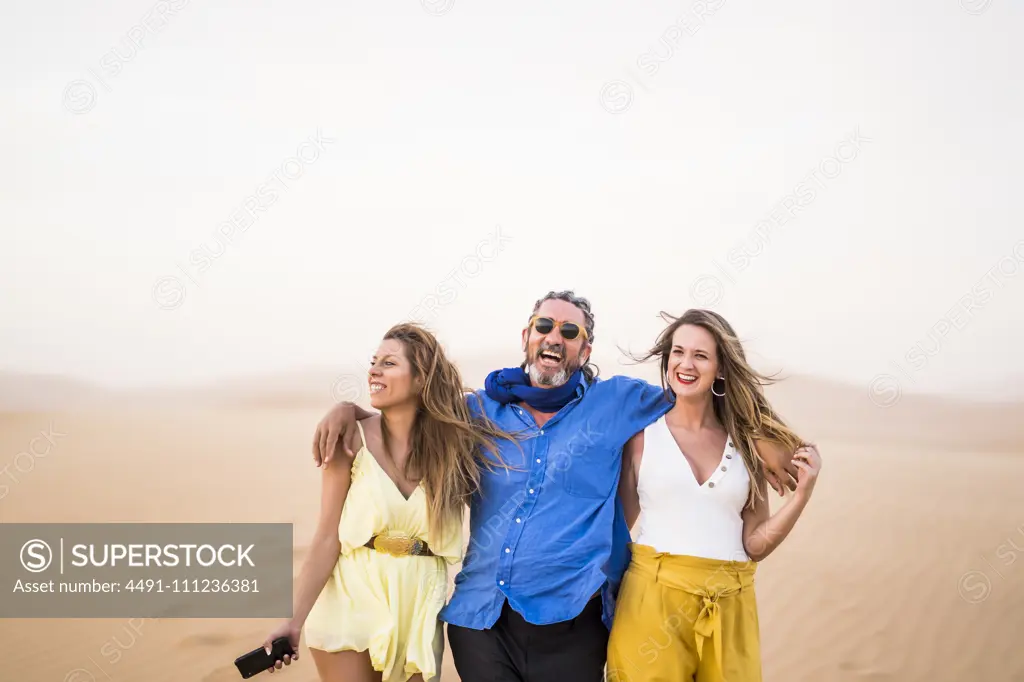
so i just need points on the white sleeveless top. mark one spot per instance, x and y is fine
(678, 516)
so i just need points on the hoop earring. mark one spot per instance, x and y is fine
(722, 394)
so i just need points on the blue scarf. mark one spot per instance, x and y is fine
(512, 384)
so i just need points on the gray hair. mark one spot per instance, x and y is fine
(590, 370)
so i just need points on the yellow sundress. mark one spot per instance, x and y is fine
(383, 604)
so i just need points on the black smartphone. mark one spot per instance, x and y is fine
(257, 660)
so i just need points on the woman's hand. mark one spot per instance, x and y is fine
(762, 534)
(286, 629)
(808, 461)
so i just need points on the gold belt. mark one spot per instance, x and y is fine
(398, 544)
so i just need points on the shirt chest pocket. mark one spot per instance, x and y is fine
(590, 472)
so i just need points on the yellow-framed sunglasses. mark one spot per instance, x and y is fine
(569, 330)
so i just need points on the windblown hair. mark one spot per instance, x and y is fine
(744, 410)
(590, 370)
(449, 443)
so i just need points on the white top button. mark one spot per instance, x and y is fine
(538, 460)
(507, 550)
(501, 582)
(519, 520)
(531, 491)
(542, 432)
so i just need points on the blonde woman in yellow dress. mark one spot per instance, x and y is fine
(695, 479)
(390, 522)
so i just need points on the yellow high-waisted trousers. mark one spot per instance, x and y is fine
(685, 618)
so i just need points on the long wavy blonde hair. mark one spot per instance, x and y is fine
(744, 410)
(449, 442)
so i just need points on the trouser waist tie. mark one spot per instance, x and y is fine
(709, 579)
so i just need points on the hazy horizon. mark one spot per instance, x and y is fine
(204, 191)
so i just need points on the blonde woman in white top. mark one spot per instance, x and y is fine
(696, 482)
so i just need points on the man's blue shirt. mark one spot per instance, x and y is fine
(550, 533)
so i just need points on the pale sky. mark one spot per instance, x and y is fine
(626, 150)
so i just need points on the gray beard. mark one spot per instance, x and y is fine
(538, 378)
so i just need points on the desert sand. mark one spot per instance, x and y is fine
(907, 565)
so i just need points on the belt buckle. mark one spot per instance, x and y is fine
(395, 544)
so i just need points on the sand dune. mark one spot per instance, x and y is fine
(22, 391)
(818, 407)
(904, 567)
